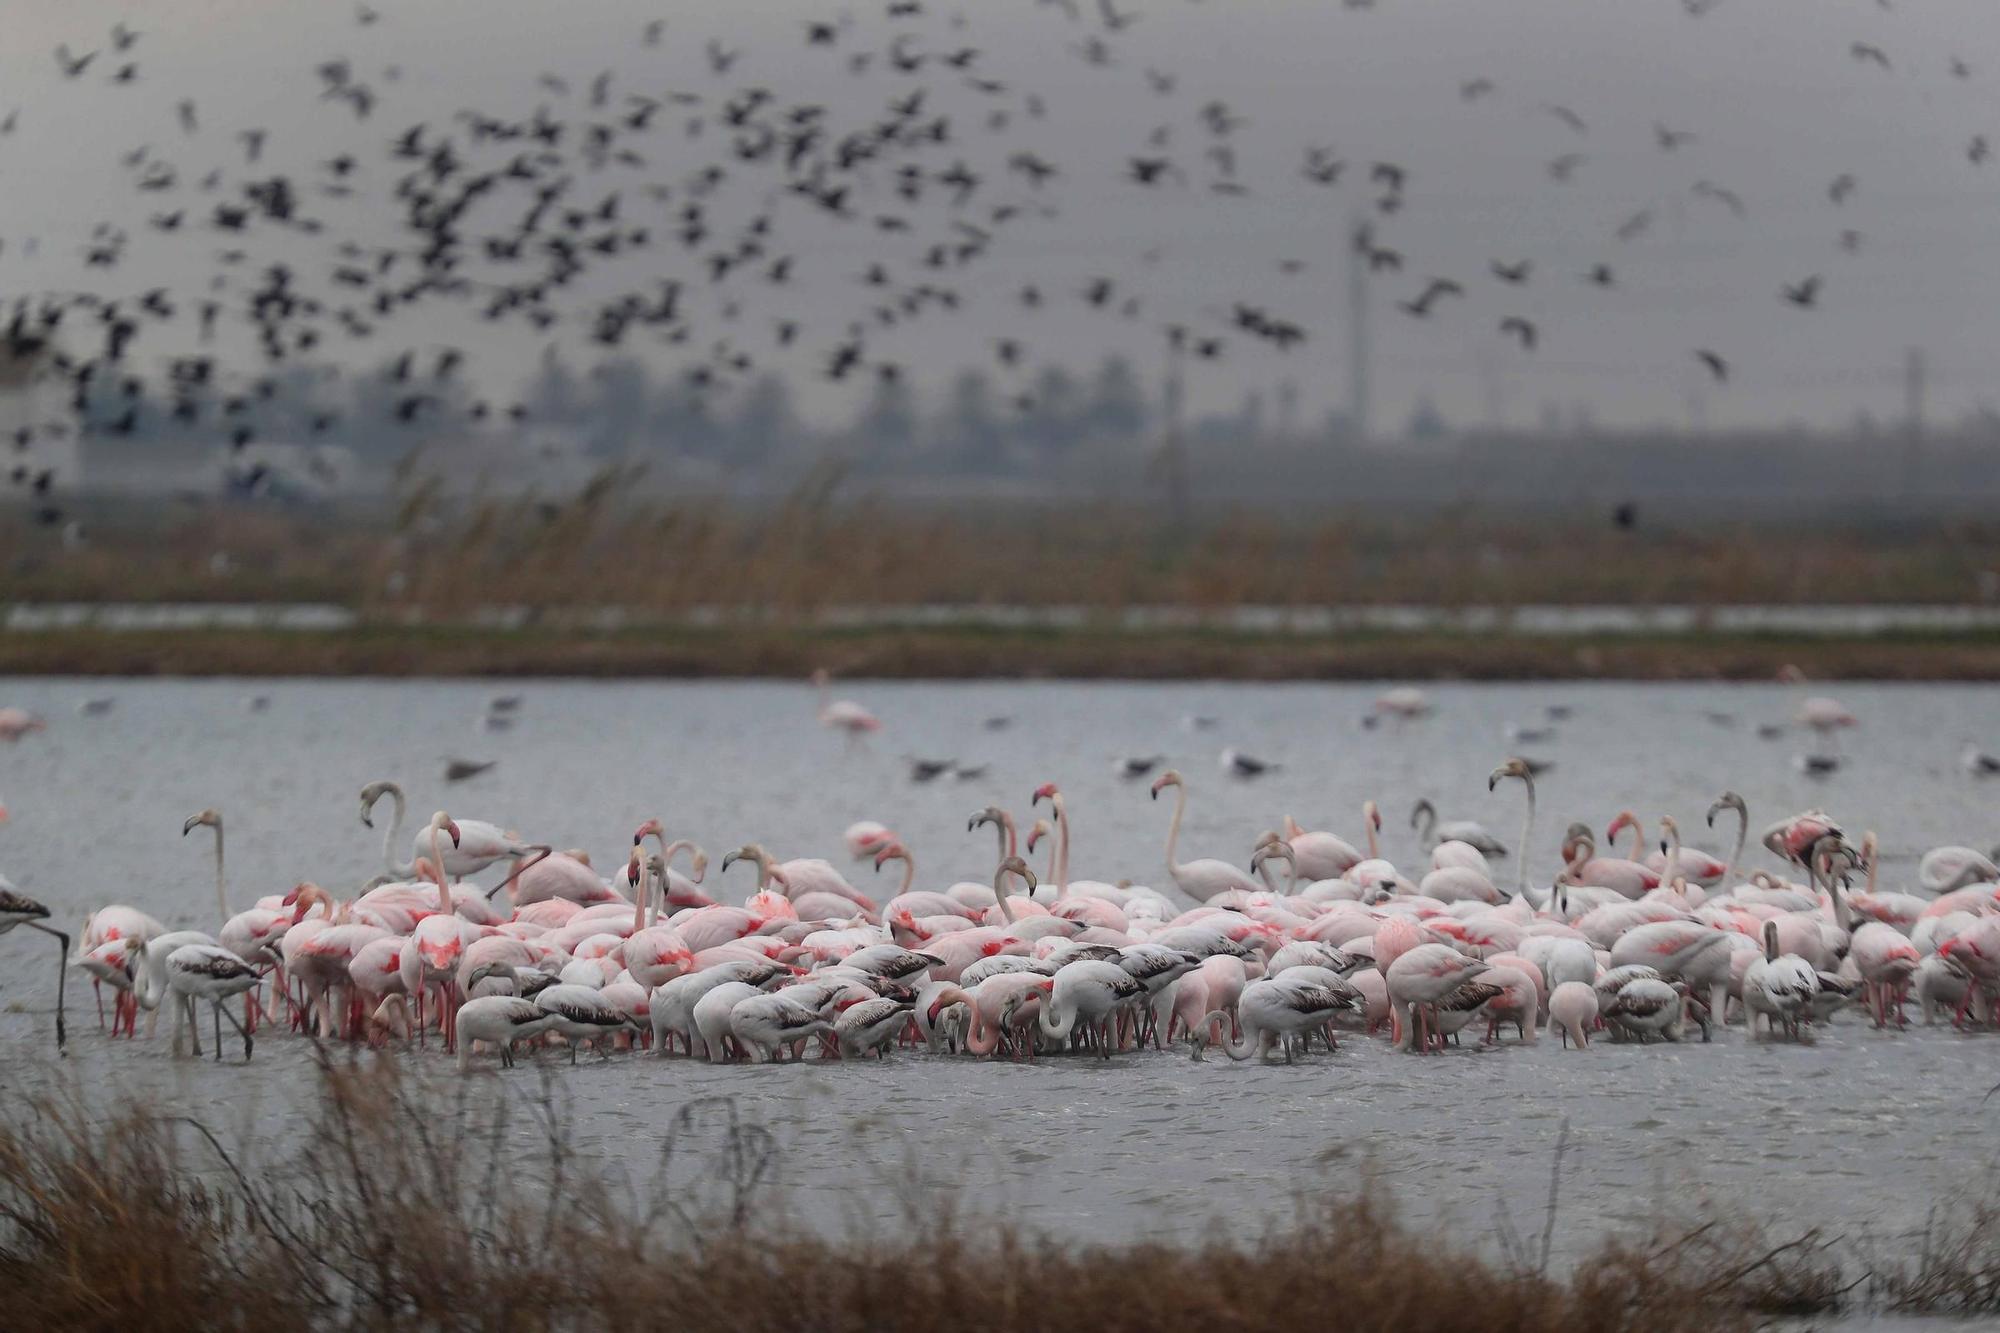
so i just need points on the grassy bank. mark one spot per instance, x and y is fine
(961, 653)
(401, 1203)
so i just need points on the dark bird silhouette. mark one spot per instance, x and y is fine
(1564, 167)
(1433, 291)
(73, 66)
(1669, 139)
(1804, 293)
(1521, 329)
(1842, 187)
(458, 770)
(1716, 365)
(1512, 273)
(1868, 54)
(1136, 766)
(1625, 516)
(1727, 198)
(1240, 765)
(1600, 275)
(1474, 89)
(1567, 117)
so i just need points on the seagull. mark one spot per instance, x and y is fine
(998, 722)
(503, 703)
(1816, 765)
(1716, 365)
(1136, 766)
(1559, 712)
(1529, 735)
(458, 770)
(969, 772)
(1979, 763)
(924, 770)
(1770, 731)
(1240, 765)
(257, 703)
(1199, 721)
(97, 707)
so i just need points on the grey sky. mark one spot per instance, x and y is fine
(1778, 104)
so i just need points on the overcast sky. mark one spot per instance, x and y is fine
(1777, 103)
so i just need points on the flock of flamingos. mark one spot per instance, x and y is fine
(1304, 938)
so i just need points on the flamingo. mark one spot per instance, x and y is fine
(1085, 994)
(1780, 989)
(18, 909)
(842, 714)
(477, 845)
(1572, 1011)
(1729, 800)
(1518, 768)
(1271, 1011)
(206, 972)
(1203, 879)
(1419, 980)
(1319, 855)
(1431, 831)
(578, 1014)
(251, 935)
(500, 1021)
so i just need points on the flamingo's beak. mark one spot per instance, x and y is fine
(1045, 792)
(451, 827)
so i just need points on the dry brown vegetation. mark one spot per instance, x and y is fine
(608, 547)
(406, 1205)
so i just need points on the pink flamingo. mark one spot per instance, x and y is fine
(1202, 879)
(842, 714)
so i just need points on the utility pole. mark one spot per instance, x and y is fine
(1913, 419)
(1357, 334)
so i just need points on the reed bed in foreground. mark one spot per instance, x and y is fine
(408, 1203)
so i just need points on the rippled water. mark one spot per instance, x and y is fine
(1864, 1127)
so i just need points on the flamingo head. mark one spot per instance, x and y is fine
(302, 899)
(1047, 792)
(370, 794)
(445, 824)
(442, 955)
(992, 814)
(211, 818)
(749, 851)
(1625, 819)
(891, 851)
(1729, 800)
(1014, 865)
(698, 867)
(650, 827)
(634, 866)
(1513, 768)
(1170, 778)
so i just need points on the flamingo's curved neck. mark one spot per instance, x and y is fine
(1527, 834)
(1671, 868)
(1010, 844)
(437, 859)
(1742, 836)
(639, 896)
(1368, 819)
(1427, 817)
(1061, 808)
(1874, 855)
(1000, 893)
(909, 873)
(221, 883)
(394, 834)
(1174, 831)
(1236, 1045)
(1056, 1022)
(1638, 840)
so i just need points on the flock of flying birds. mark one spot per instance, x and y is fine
(621, 213)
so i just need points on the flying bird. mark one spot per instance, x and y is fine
(1716, 365)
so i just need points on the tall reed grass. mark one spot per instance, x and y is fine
(405, 1202)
